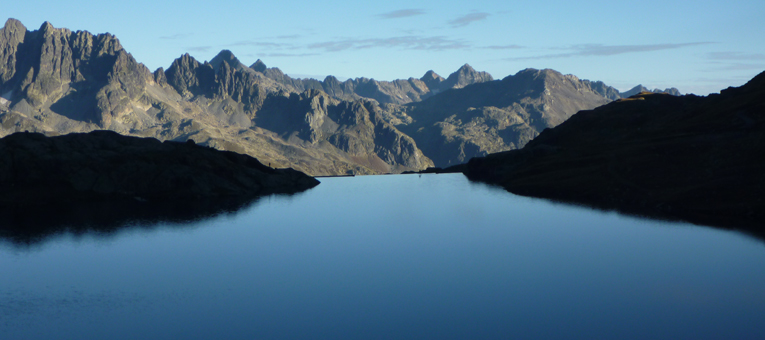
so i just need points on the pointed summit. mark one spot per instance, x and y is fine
(466, 68)
(11, 37)
(633, 91)
(229, 58)
(432, 79)
(46, 26)
(640, 88)
(189, 77)
(13, 25)
(259, 66)
(465, 76)
(431, 75)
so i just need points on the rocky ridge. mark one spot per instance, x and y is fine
(399, 91)
(55, 81)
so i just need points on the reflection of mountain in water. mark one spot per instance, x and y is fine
(636, 211)
(30, 226)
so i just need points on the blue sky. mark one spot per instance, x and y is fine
(697, 46)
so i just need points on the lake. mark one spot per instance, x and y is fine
(388, 257)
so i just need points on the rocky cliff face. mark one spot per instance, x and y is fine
(86, 78)
(356, 128)
(55, 81)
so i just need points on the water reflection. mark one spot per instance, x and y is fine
(390, 257)
(34, 226)
(743, 225)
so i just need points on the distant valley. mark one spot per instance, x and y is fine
(56, 81)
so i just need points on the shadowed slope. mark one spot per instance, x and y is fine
(104, 165)
(695, 158)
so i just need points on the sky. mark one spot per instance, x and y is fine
(696, 46)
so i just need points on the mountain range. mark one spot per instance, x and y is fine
(56, 81)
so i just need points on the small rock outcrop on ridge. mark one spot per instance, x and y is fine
(640, 88)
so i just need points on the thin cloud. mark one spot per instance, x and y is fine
(504, 47)
(176, 36)
(402, 13)
(588, 50)
(412, 31)
(736, 61)
(289, 54)
(314, 76)
(199, 48)
(437, 43)
(735, 56)
(736, 67)
(723, 80)
(259, 44)
(468, 19)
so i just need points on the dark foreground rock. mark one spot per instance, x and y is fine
(104, 166)
(698, 159)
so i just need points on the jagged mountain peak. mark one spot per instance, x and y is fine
(464, 76)
(635, 90)
(331, 80)
(463, 71)
(188, 76)
(225, 54)
(229, 58)
(432, 80)
(430, 75)
(12, 23)
(466, 68)
(47, 29)
(259, 66)
(46, 26)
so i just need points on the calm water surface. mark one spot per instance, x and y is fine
(390, 257)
